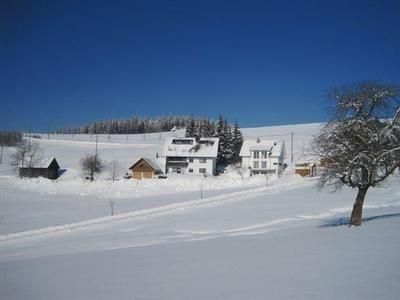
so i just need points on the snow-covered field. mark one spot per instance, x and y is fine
(190, 237)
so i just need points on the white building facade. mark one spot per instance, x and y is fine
(263, 156)
(188, 156)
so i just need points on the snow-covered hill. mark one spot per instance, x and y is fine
(190, 237)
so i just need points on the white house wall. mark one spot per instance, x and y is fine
(196, 165)
(248, 162)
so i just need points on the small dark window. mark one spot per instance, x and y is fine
(190, 170)
(202, 170)
(190, 159)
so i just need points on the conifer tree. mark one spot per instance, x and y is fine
(228, 151)
(191, 127)
(237, 141)
(221, 134)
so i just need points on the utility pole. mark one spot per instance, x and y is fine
(112, 207)
(29, 138)
(291, 147)
(1, 153)
(97, 140)
(48, 132)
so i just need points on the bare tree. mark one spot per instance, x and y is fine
(92, 164)
(361, 145)
(27, 155)
(115, 170)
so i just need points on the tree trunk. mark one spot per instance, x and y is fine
(356, 214)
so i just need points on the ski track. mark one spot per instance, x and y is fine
(67, 239)
(153, 212)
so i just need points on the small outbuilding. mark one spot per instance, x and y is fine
(305, 169)
(48, 169)
(145, 168)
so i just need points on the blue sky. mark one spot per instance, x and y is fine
(258, 62)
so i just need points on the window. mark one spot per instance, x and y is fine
(202, 170)
(182, 142)
(256, 154)
(176, 170)
(190, 170)
(264, 164)
(206, 142)
(255, 164)
(202, 160)
(275, 164)
(264, 154)
(190, 159)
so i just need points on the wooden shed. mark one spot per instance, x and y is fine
(48, 169)
(145, 168)
(305, 169)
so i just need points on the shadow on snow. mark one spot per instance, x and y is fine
(344, 221)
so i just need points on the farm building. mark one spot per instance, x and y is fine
(145, 168)
(186, 155)
(305, 169)
(48, 169)
(263, 156)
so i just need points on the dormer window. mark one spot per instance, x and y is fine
(182, 142)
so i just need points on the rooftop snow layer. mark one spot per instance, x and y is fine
(188, 147)
(151, 163)
(276, 147)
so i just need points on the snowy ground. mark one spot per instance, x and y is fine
(192, 237)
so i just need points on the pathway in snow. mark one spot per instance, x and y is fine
(257, 211)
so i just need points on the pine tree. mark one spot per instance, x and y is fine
(221, 134)
(228, 154)
(237, 141)
(197, 129)
(209, 128)
(191, 127)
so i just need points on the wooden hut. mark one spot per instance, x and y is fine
(48, 169)
(305, 169)
(145, 168)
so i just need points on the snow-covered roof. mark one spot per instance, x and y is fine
(150, 162)
(43, 164)
(188, 147)
(275, 147)
(46, 163)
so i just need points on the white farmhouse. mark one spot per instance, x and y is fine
(263, 156)
(186, 155)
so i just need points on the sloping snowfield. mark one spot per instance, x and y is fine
(190, 237)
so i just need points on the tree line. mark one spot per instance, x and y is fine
(10, 138)
(132, 125)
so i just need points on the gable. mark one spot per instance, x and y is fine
(145, 165)
(276, 148)
(54, 165)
